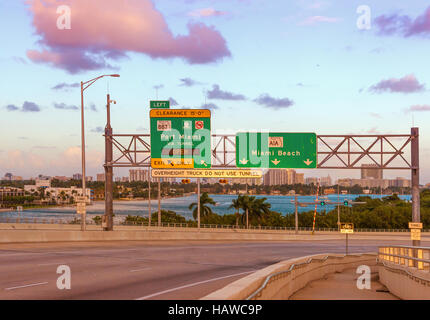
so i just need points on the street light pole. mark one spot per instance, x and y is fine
(84, 192)
(84, 86)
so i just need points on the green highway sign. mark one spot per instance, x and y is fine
(276, 150)
(180, 138)
(159, 104)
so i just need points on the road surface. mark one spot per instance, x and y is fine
(148, 270)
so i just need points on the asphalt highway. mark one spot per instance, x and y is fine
(148, 270)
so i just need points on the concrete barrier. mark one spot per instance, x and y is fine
(281, 280)
(21, 232)
(405, 282)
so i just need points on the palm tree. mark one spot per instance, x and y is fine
(237, 205)
(260, 208)
(205, 211)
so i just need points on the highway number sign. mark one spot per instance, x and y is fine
(276, 150)
(180, 138)
(347, 228)
(415, 234)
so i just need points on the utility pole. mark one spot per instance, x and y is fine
(338, 207)
(296, 214)
(108, 170)
(84, 192)
(415, 179)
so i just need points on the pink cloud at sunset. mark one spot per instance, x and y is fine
(407, 84)
(404, 25)
(103, 30)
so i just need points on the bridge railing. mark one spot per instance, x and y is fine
(70, 221)
(415, 257)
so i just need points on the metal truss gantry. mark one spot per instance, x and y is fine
(334, 151)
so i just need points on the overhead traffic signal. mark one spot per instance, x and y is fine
(185, 181)
(322, 203)
(345, 202)
(223, 181)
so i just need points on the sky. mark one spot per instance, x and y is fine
(329, 67)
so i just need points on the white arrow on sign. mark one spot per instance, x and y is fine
(243, 161)
(203, 162)
(308, 162)
(276, 162)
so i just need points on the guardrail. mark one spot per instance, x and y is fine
(417, 257)
(285, 273)
(37, 220)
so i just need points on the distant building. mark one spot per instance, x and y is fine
(61, 178)
(16, 178)
(77, 176)
(300, 178)
(43, 183)
(275, 177)
(371, 171)
(311, 180)
(139, 175)
(326, 181)
(101, 177)
(375, 183)
(10, 192)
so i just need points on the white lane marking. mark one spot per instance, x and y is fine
(27, 285)
(137, 270)
(192, 284)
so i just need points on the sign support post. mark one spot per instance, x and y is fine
(149, 197)
(198, 203)
(159, 202)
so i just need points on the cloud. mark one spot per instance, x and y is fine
(65, 86)
(93, 107)
(63, 106)
(12, 107)
(217, 93)
(188, 82)
(98, 130)
(173, 102)
(26, 107)
(274, 103)
(30, 107)
(206, 12)
(105, 30)
(403, 25)
(210, 106)
(407, 84)
(418, 108)
(310, 21)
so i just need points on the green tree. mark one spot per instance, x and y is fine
(205, 210)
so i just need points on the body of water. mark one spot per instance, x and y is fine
(282, 204)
